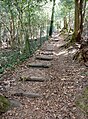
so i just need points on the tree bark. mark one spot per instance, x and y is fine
(80, 6)
(52, 19)
(82, 14)
(65, 23)
(76, 27)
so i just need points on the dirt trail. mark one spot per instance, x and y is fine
(58, 93)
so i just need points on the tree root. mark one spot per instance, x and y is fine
(82, 54)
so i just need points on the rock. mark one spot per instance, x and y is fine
(43, 57)
(39, 65)
(15, 103)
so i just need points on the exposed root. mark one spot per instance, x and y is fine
(82, 54)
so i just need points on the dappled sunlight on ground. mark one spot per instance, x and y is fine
(58, 45)
(73, 51)
(65, 52)
(61, 53)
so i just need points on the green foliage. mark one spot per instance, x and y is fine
(66, 6)
(1, 70)
(21, 17)
(20, 20)
(13, 57)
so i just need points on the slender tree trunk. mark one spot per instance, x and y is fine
(76, 27)
(12, 32)
(52, 19)
(65, 23)
(0, 35)
(69, 23)
(82, 14)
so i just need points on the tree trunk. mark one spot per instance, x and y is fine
(69, 23)
(0, 35)
(82, 14)
(76, 27)
(52, 19)
(65, 23)
(80, 6)
(27, 44)
(12, 32)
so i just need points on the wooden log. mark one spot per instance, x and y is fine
(33, 78)
(39, 65)
(43, 57)
(24, 94)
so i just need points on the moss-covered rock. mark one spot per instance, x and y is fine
(4, 104)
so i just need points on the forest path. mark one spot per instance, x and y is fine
(55, 96)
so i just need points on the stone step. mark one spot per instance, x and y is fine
(39, 65)
(50, 50)
(43, 57)
(33, 79)
(29, 95)
(49, 47)
(46, 53)
(55, 40)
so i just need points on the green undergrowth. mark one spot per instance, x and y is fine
(10, 58)
(4, 104)
(82, 101)
(69, 41)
